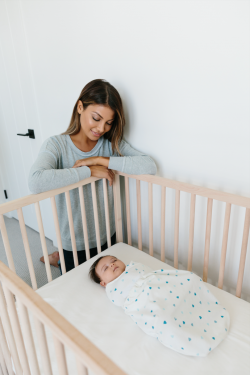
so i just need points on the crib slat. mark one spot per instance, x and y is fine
(163, 208)
(138, 194)
(106, 206)
(5, 349)
(128, 210)
(191, 232)
(43, 241)
(17, 330)
(84, 222)
(27, 248)
(81, 369)
(28, 338)
(58, 234)
(6, 244)
(3, 367)
(71, 228)
(207, 237)
(176, 227)
(60, 356)
(97, 231)
(224, 245)
(150, 209)
(43, 346)
(243, 252)
(9, 333)
(117, 207)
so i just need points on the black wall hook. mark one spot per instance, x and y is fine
(30, 134)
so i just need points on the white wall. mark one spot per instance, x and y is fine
(182, 69)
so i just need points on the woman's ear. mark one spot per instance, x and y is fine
(102, 283)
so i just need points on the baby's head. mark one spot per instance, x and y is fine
(105, 269)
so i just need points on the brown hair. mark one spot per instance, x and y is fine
(99, 91)
(92, 272)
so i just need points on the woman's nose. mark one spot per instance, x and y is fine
(100, 128)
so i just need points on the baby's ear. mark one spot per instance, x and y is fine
(102, 283)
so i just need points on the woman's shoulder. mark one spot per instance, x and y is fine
(54, 144)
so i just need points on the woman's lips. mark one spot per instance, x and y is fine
(95, 134)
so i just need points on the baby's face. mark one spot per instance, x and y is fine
(109, 268)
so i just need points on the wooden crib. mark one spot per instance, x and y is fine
(17, 349)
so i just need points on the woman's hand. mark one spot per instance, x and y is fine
(102, 172)
(94, 160)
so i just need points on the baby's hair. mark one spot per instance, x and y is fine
(92, 272)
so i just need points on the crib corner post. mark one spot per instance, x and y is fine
(117, 208)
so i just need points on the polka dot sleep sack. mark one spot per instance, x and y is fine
(174, 306)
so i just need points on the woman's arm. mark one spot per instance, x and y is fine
(44, 174)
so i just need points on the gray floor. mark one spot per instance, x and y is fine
(18, 253)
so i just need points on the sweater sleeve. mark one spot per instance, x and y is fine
(45, 175)
(132, 161)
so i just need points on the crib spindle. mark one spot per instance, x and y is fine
(163, 209)
(43, 346)
(81, 369)
(191, 232)
(84, 222)
(176, 227)
(71, 228)
(6, 244)
(17, 330)
(243, 252)
(138, 194)
(150, 209)
(60, 356)
(5, 350)
(27, 333)
(207, 237)
(27, 248)
(43, 241)
(97, 231)
(9, 333)
(58, 234)
(117, 207)
(3, 366)
(224, 245)
(128, 210)
(106, 207)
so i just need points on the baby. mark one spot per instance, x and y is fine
(174, 306)
(105, 269)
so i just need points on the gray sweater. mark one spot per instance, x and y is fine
(53, 169)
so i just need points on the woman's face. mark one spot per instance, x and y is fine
(96, 120)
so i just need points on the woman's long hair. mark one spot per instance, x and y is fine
(99, 91)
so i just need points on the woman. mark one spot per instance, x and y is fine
(91, 146)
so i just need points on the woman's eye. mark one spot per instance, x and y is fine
(94, 119)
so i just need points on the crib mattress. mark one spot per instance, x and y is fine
(85, 304)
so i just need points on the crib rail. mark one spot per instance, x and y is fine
(164, 183)
(16, 329)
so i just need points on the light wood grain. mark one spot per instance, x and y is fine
(71, 228)
(207, 238)
(163, 208)
(81, 369)
(43, 346)
(117, 207)
(224, 245)
(84, 223)
(27, 248)
(191, 232)
(128, 210)
(3, 366)
(176, 227)
(138, 195)
(97, 231)
(58, 234)
(16, 330)
(9, 332)
(243, 253)
(5, 350)
(94, 359)
(60, 356)
(43, 241)
(150, 214)
(6, 244)
(106, 207)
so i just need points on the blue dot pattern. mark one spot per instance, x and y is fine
(173, 306)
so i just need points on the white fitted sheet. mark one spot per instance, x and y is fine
(85, 304)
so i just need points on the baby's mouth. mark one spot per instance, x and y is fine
(115, 268)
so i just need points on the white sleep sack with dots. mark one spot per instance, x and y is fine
(173, 306)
